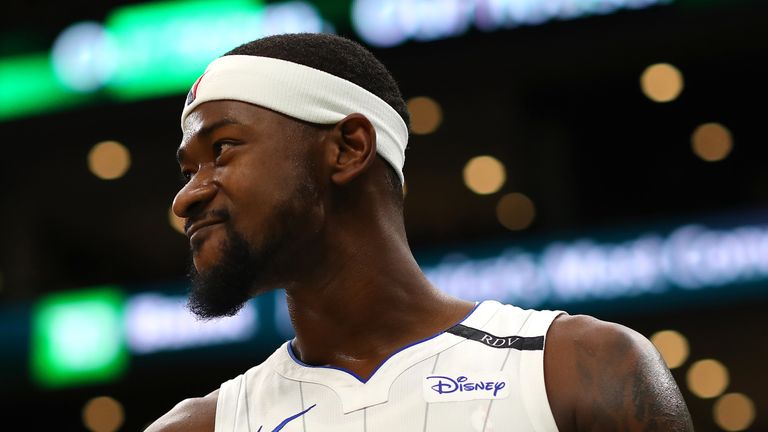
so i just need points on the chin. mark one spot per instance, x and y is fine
(203, 262)
(223, 277)
(206, 253)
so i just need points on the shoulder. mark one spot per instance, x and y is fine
(603, 376)
(588, 335)
(189, 415)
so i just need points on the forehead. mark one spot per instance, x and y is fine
(249, 119)
(213, 115)
(218, 113)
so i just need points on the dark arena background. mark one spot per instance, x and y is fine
(602, 157)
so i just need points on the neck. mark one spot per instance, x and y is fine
(364, 302)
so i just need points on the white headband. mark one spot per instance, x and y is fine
(300, 92)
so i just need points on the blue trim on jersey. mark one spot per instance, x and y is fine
(356, 376)
(286, 421)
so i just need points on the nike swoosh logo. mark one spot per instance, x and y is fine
(289, 419)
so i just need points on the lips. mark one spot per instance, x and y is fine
(197, 226)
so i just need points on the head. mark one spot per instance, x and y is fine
(266, 172)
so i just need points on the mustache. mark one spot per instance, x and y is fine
(218, 214)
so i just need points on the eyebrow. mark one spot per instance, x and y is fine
(205, 131)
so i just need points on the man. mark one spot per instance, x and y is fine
(293, 147)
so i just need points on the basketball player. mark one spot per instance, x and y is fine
(293, 149)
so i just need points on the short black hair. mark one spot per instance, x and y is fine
(339, 56)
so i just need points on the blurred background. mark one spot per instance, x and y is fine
(598, 156)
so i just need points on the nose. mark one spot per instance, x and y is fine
(195, 195)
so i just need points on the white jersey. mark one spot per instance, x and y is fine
(484, 374)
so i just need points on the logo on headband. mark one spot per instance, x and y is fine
(193, 93)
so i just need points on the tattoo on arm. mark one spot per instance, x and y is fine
(629, 387)
(658, 404)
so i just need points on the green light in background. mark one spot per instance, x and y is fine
(77, 337)
(163, 47)
(29, 86)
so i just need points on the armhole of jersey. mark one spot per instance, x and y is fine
(226, 405)
(533, 389)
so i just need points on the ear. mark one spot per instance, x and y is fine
(355, 148)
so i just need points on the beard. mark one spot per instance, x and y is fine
(224, 289)
(244, 270)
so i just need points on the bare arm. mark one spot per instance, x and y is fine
(602, 376)
(189, 415)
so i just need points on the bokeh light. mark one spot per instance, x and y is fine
(426, 115)
(712, 142)
(83, 56)
(103, 414)
(734, 412)
(109, 160)
(673, 347)
(176, 222)
(707, 378)
(661, 82)
(515, 211)
(484, 175)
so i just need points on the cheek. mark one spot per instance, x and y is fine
(263, 194)
(253, 175)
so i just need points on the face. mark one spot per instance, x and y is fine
(251, 201)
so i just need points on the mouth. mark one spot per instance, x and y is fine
(198, 226)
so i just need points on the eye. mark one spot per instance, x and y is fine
(220, 147)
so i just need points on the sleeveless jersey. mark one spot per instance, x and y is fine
(484, 374)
